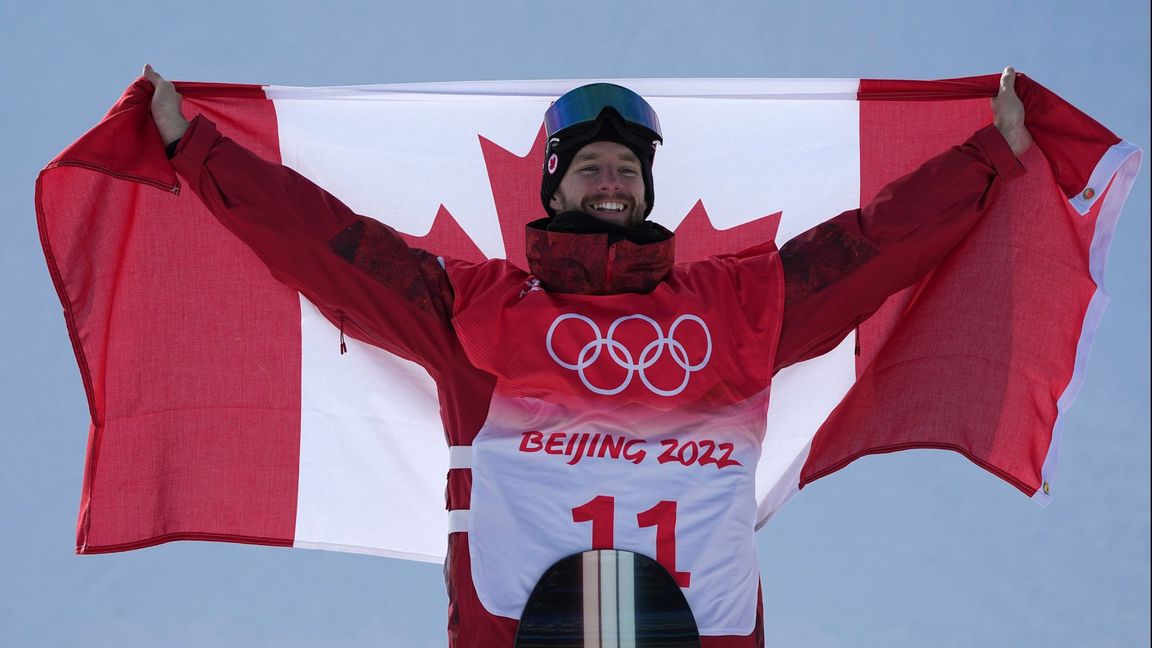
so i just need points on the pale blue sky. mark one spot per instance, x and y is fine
(913, 549)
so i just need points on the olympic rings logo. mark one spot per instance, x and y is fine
(623, 357)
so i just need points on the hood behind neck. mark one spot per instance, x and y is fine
(578, 253)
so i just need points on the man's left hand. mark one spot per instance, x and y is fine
(1008, 114)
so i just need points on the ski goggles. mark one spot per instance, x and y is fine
(584, 105)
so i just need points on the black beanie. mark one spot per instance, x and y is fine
(608, 127)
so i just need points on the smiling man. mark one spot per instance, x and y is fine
(604, 182)
(597, 161)
(608, 397)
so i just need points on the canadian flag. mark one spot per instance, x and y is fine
(222, 408)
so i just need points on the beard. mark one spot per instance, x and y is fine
(631, 216)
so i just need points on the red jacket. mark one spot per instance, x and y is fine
(809, 296)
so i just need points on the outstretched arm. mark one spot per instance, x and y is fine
(355, 269)
(840, 272)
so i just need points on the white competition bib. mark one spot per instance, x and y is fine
(681, 492)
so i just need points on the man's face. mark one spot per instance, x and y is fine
(604, 180)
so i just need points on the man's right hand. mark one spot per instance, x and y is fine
(166, 107)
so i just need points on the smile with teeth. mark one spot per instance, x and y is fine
(609, 206)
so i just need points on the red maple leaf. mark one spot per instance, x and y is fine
(515, 182)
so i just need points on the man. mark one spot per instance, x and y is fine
(606, 398)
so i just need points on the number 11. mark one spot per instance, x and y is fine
(600, 511)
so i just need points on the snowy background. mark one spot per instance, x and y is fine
(912, 549)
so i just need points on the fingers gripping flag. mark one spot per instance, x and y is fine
(223, 410)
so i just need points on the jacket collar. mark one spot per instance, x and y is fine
(592, 264)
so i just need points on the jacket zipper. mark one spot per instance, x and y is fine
(608, 266)
(343, 346)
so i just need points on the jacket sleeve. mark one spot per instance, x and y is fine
(840, 272)
(359, 272)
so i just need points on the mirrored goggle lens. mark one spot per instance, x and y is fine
(584, 104)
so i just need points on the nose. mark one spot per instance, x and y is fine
(609, 179)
